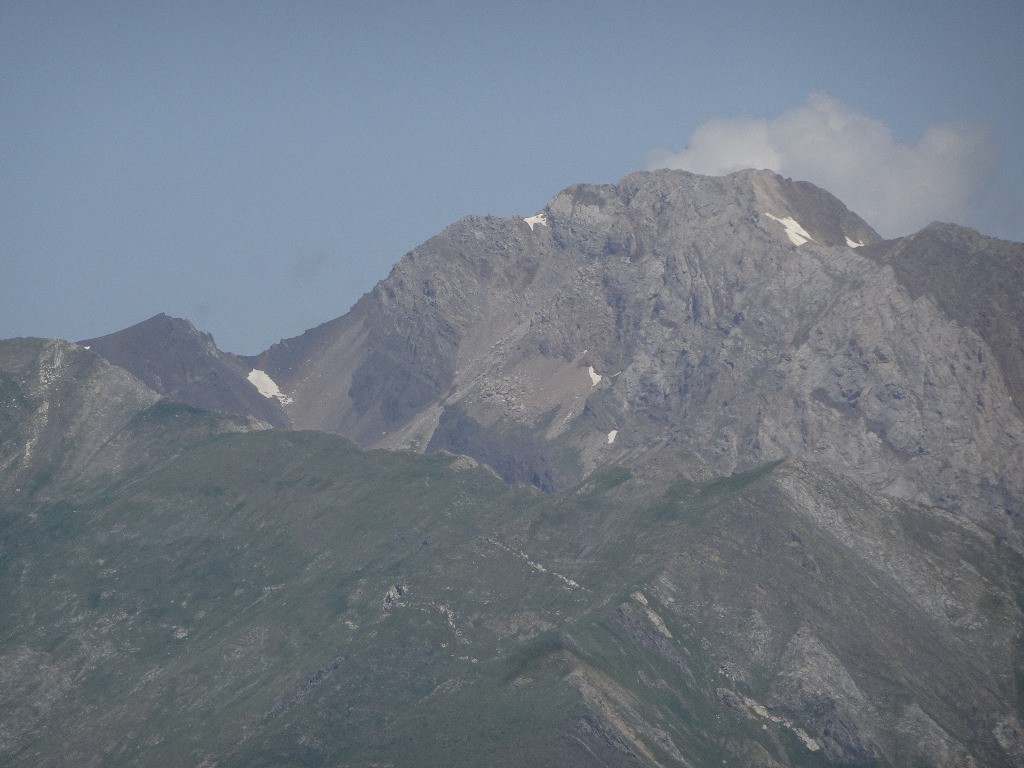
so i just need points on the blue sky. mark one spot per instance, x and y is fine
(255, 166)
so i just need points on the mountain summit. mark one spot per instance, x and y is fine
(718, 322)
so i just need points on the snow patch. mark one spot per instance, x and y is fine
(797, 234)
(541, 218)
(612, 435)
(595, 377)
(86, 346)
(266, 386)
(849, 242)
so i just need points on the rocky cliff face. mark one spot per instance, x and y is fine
(733, 320)
(975, 280)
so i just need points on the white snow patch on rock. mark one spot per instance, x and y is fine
(266, 386)
(797, 234)
(612, 435)
(595, 377)
(541, 218)
(853, 243)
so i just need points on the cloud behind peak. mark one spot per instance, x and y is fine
(896, 187)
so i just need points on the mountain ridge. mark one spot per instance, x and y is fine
(484, 332)
(549, 346)
(173, 357)
(782, 464)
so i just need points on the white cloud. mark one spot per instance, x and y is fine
(898, 188)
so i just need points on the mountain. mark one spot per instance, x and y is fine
(280, 598)
(184, 364)
(71, 420)
(598, 278)
(755, 501)
(975, 280)
(735, 320)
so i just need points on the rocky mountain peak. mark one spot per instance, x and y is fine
(173, 357)
(729, 320)
(735, 320)
(731, 199)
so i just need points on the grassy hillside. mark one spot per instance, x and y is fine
(282, 598)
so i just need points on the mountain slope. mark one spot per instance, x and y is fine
(69, 420)
(976, 280)
(61, 407)
(279, 598)
(783, 459)
(180, 362)
(732, 319)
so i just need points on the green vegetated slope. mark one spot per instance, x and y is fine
(276, 598)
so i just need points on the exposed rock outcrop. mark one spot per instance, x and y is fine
(678, 313)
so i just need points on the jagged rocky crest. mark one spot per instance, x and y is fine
(731, 321)
(675, 314)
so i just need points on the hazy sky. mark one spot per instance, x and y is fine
(256, 166)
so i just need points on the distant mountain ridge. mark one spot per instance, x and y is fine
(71, 420)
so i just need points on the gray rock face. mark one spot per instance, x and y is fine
(182, 363)
(975, 280)
(735, 320)
(816, 602)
